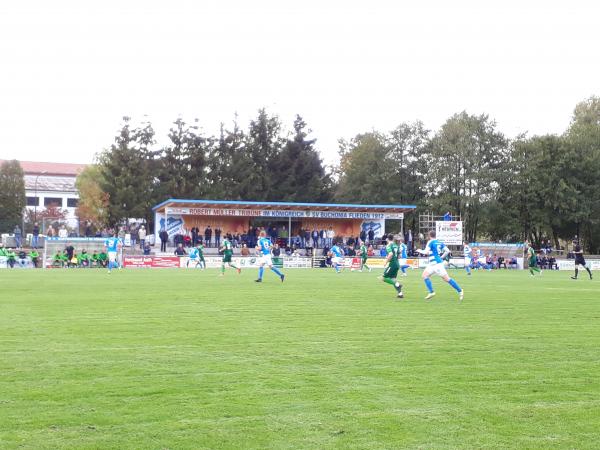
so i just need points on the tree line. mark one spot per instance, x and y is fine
(537, 188)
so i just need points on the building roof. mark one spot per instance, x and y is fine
(51, 168)
(183, 203)
(49, 183)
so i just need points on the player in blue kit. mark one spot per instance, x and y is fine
(112, 245)
(436, 251)
(337, 257)
(194, 258)
(263, 247)
(467, 255)
(403, 254)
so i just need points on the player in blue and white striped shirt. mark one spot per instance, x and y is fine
(437, 250)
(403, 253)
(467, 254)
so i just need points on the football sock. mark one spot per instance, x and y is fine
(261, 271)
(576, 272)
(223, 268)
(429, 285)
(589, 271)
(403, 269)
(276, 270)
(454, 284)
(468, 269)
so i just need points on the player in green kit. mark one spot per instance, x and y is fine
(392, 265)
(532, 259)
(363, 257)
(201, 259)
(227, 250)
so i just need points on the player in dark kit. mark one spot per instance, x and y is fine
(579, 260)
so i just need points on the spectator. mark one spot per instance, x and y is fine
(17, 233)
(208, 235)
(142, 236)
(50, 231)
(306, 239)
(218, 237)
(180, 251)
(410, 240)
(164, 238)
(245, 250)
(69, 252)
(88, 229)
(383, 251)
(322, 238)
(371, 235)
(11, 257)
(284, 233)
(83, 259)
(315, 238)
(276, 250)
(501, 262)
(370, 251)
(146, 248)
(447, 216)
(62, 232)
(35, 234)
(363, 235)
(330, 236)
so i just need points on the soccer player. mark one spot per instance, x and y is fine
(201, 260)
(437, 250)
(263, 247)
(392, 265)
(227, 250)
(337, 257)
(467, 255)
(532, 259)
(579, 260)
(402, 256)
(112, 245)
(364, 254)
(193, 257)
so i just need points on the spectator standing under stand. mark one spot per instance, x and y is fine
(330, 236)
(322, 237)
(208, 235)
(315, 238)
(62, 232)
(50, 231)
(363, 235)
(371, 235)
(218, 237)
(164, 238)
(35, 235)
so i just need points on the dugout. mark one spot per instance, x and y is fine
(178, 216)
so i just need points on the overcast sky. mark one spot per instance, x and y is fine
(69, 70)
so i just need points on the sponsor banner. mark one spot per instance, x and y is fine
(569, 264)
(214, 262)
(152, 261)
(3, 262)
(449, 232)
(378, 227)
(494, 245)
(281, 213)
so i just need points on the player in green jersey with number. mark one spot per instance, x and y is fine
(392, 265)
(532, 259)
(227, 250)
(363, 257)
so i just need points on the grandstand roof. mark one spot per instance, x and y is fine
(243, 204)
(51, 168)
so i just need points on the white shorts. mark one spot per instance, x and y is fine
(337, 260)
(467, 261)
(112, 256)
(402, 261)
(437, 269)
(265, 260)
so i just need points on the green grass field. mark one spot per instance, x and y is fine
(173, 359)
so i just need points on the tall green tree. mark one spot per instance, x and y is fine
(465, 161)
(182, 165)
(12, 195)
(298, 172)
(126, 174)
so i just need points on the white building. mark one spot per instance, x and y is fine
(52, 184)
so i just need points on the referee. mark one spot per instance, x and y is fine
(579, 260)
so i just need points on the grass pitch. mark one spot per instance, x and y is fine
(175, 359)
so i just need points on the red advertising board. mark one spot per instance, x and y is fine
(151, 261)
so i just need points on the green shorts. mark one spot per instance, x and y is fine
(532, 261)
(364, 259)
(391, 272)
(226, 258)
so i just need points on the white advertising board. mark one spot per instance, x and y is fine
(449, 232)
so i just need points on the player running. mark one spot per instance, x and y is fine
(467, 254)
(579, 260)
(437, 250)
(392, 265)
(337, 257)
(532, 259)
(112, 245)
(227, 250)
(263, 247)
(402, 256)
(194, 257)
(364, 254)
